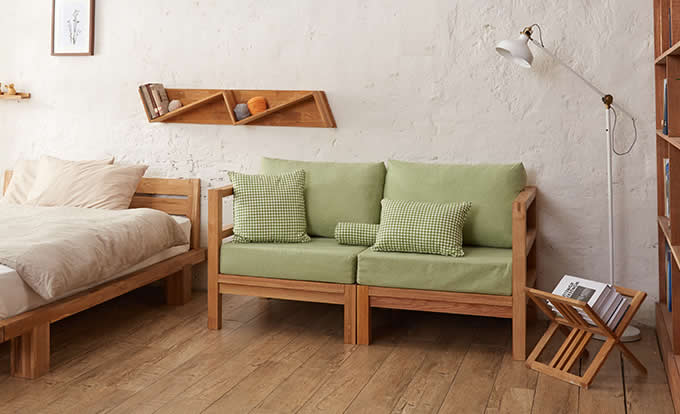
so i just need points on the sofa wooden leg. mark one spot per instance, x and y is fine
(178, 287)
(350, 314)
(363, 316)
(30, 353)
(519, 327)
(214, 303)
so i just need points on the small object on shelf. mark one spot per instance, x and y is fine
(11, 90)
(174, 104)
(570, 316)
(241, 111)
(257, 104)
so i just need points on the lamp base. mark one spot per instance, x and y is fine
(631, 334)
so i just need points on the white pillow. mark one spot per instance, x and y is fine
(87, 185)
(23, 178)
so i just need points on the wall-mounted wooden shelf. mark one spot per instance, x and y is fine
(216, 106)
(17, 97)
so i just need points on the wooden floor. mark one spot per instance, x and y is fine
(134, 355)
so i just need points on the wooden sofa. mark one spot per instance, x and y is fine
(514, 306)
(29, 332)
(502, 231)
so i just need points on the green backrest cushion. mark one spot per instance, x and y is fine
(491, 188)
(336, 192)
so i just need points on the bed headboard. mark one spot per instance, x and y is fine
(177, 196)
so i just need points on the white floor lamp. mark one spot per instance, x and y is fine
(518, 51)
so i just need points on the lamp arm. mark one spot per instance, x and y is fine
(578, 75)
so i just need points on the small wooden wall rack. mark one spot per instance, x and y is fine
(17, 97)
(580, 334)
(216, 106)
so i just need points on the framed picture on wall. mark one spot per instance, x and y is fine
(72, 27)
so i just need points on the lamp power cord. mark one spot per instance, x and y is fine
(635, 136)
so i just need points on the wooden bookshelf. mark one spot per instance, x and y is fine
(667, 66)
(216, 106)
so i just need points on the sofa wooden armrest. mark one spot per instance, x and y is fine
(524, 233)
(216, 233)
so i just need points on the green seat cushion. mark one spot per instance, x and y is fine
(491, 188)
(482, 270)
(336, 192)
(321, 260)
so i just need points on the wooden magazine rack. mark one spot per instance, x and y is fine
(580, 334)
(216, 106)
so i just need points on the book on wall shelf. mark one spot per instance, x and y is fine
(608, 304)
(155, 99)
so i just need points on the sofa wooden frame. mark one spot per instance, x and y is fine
(218, 284)
(29, 332)
(514, 306)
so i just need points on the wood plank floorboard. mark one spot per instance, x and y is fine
(136, 355)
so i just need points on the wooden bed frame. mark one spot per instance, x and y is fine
(29, 332)
(218, 284)
(514, 307)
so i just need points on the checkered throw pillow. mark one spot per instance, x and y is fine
(356, 234)
(269, 209)
(420, 227)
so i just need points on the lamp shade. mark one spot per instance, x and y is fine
(517, 50)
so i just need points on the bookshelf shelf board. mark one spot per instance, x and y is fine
(664, 224)
(674, 141)
(673, 50)
(17, 97)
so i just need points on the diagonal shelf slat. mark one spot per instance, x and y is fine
(187, 108)
(231, 103)
(274, 109)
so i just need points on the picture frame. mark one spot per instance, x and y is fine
(72, 27)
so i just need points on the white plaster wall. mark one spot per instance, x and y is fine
(413, 80)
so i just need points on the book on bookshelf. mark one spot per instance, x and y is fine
(669, 273)
(608, 304)
(664, 123)
(667, 187)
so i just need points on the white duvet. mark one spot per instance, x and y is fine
(57, 250)
(17, 297)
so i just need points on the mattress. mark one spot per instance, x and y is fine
(17, 297)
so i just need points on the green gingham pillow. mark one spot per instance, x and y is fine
(420, 227)
(356, 234)
(269, 208)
